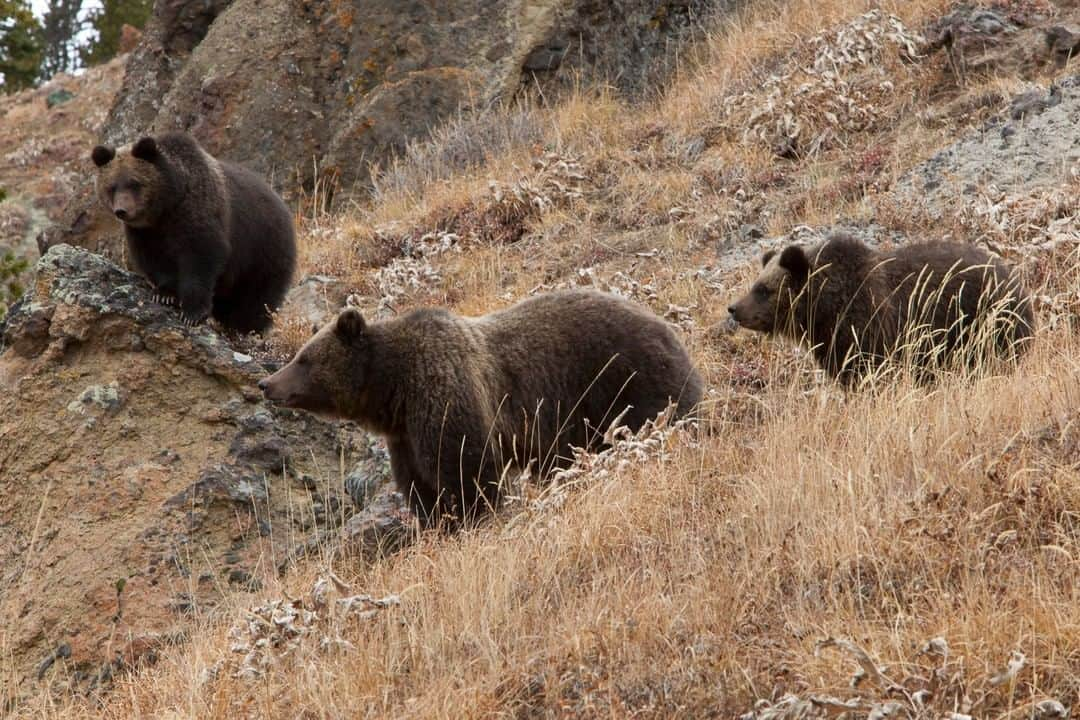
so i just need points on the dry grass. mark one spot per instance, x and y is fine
(704, 578)
(692, 584)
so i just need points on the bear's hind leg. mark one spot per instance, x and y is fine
(242, 312)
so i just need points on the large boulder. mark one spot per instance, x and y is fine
(141, 474)
(297, 90)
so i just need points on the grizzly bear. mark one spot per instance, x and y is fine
(208, 234)
(925, 306)
(461, 399)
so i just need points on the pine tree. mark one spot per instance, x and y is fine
(108, 21)
(20, 46)
(61, 26)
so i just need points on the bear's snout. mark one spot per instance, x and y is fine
(270, 389)
(121, 213)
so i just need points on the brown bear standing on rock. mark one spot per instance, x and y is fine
(928, 305)
(208, 234)
(459, 399)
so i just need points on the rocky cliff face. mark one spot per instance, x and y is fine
(296, 89)
(141, 474)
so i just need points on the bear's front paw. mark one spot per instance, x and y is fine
(192, 320)
(165, 300)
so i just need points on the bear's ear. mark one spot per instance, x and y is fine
(350, 324)
(767, 257)
(102, 155)
(146, 149)
(794, 260)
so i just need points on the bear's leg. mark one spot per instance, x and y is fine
(242, 311)
(196, 298)
(422, 495)
(164, 285)
(467, 478)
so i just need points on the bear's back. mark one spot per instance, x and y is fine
(572, 355)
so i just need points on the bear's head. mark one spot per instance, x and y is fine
(769, 305)
(328, 374)
(137, 186)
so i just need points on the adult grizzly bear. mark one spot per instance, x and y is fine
(207, 233)
(928, 305)
(458, 399)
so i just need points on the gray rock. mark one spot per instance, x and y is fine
(987, 41)
(369, 476)
(384, 526)
(315, 299)
(1012, 157)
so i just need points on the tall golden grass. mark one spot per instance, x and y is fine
(804, 533)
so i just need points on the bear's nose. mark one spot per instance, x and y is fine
(263, 384)
(121, 213)
(731, 309)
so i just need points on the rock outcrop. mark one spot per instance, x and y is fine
(292, 89)
(141, 474)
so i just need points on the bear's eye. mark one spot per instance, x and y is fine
(761, 291)
(111, 189)
(135, 186)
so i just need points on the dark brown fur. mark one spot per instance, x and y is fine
(458, 399)
(927, 303)
(208, 234)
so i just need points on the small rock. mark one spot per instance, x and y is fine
(368, 477)
(386, 525)
(315, 299)
(58, 97)
(1034, 102)
(1062, 44)
(100, 397)
(749, 232)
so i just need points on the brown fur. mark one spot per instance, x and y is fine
(210, 235)
(458, 399)
(928, 303)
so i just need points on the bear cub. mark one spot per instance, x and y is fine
(459, 399)
(929, 305)
(209, 235)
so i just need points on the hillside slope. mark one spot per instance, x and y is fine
(902, 551)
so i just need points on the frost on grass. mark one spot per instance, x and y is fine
(836, 82)
(934, 684)
(624, 450)
(280, 631)
(413, 271)
(1032, 222)
(1041, 226)
(556, 181)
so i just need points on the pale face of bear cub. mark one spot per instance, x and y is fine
(767, 307)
